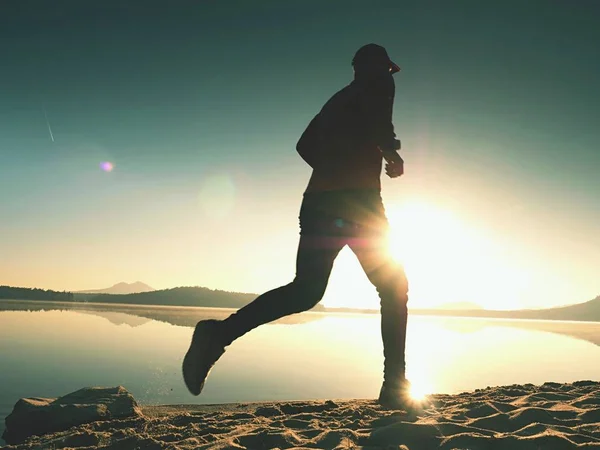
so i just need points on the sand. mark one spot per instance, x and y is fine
(550, 416)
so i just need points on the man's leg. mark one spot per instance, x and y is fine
(314, 262)
(389, 279)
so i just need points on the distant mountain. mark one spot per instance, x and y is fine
(588, 312)
(120, 289)
(179, 296)
(581, 311)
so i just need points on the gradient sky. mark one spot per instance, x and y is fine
(198, 106)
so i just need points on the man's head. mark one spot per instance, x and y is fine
(373, 57)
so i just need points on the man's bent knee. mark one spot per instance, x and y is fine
(307, 293)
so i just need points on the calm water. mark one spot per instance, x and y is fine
(51, 349)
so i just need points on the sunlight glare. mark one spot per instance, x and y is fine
(419, 390)
(447, 260)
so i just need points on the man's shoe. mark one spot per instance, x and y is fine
(206, 348)
(395, 395)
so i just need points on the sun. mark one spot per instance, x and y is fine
(446, 259)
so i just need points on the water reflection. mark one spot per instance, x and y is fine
(135, 315)
(53, 348)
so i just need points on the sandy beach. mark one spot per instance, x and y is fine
(520, 417)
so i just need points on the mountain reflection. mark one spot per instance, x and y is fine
(136, 315)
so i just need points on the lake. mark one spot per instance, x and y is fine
(50, 349)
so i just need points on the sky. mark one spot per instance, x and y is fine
(156, 142)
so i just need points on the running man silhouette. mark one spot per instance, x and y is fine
(345, 144)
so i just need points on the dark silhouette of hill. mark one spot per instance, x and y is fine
(21, 293)
(120, 288)
(179, 296)
(587, 312)
(583, 311)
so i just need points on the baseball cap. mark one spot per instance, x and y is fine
(371, 53)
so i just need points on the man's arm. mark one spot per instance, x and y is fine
(376, 100)
(377, 103)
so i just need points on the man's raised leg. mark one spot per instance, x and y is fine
(314, 262)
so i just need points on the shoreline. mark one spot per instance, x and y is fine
(483, 314)
(520, 417)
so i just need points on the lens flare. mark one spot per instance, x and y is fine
(107, 166)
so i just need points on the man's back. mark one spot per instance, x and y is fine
(343, 142)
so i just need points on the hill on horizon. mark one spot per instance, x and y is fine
(120, 288)
(587, 312)
(179, 296)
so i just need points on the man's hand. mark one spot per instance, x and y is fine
(394, 164)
